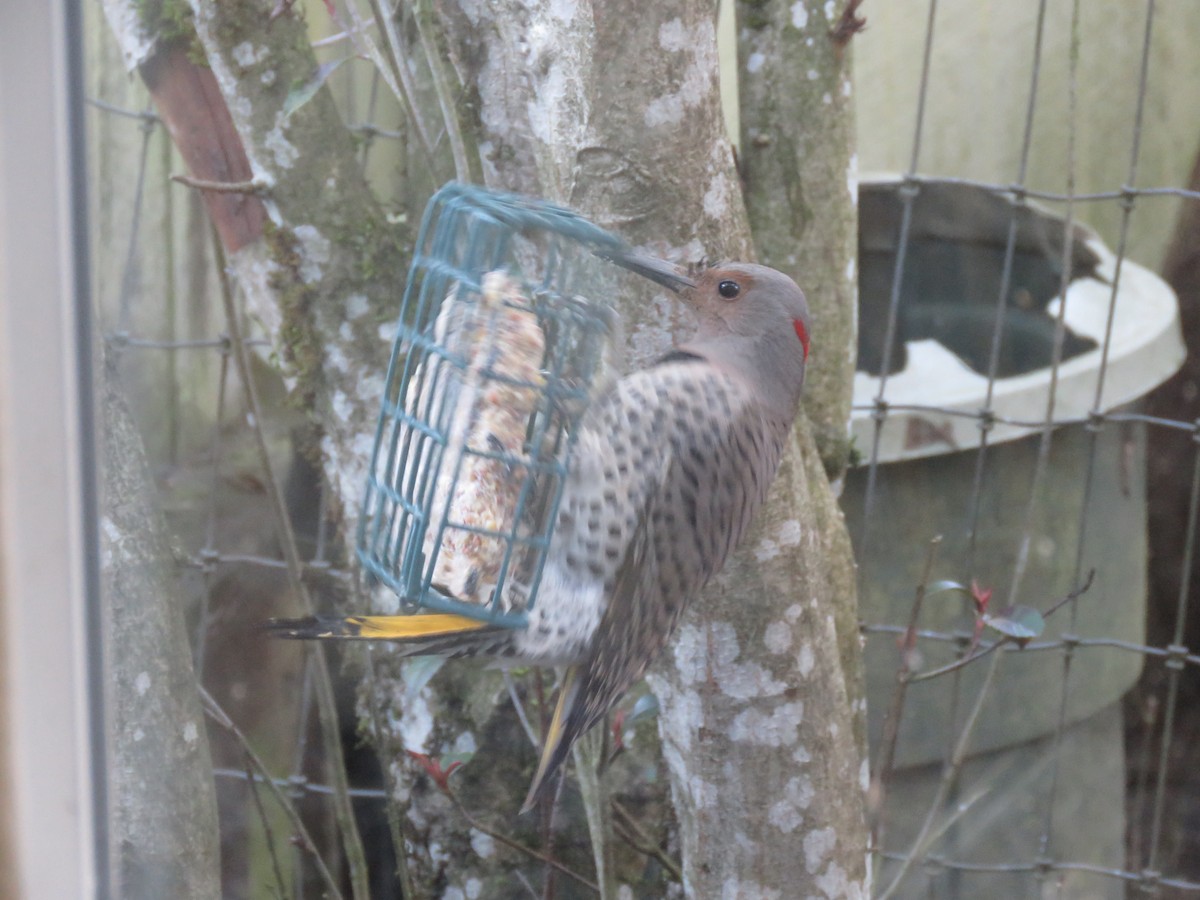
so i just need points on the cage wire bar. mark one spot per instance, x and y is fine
(1143, 873)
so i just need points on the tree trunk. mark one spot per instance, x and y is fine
(164, 824)
(761, 690)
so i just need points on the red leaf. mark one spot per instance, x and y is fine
(982, 597)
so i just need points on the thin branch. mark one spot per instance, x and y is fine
(253, 186)
(395, 826)
(218, 715)
(949, 774)
(627, 827)
(395, 73)
(1006, 639)
(441, 87)
(266, 824)
(520, 708)
(891, 722)
(516, 845)
(326, 704)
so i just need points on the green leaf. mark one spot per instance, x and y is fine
(939, 587)
(302, 93)
(645, 708)
(453, 760)
(1021, 623)
(417, 672)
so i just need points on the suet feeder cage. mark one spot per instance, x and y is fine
(497, 352)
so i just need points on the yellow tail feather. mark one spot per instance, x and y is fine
(375, 628)
(550, 757)
(399, 627)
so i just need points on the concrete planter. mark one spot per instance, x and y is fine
(927, 468)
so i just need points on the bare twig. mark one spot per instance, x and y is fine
(441, 86)
(218, 715)
(949, 774)
(394, 72)
(266, 824)
(891, 723)
(847, 26)
(520, 708)
(253, 186)
(517, 845)
(631, 832)
(395, 826)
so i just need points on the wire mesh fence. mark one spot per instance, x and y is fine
(219, 487)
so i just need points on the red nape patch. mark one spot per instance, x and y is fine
(802, 333)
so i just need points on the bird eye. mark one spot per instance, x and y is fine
(729, 289)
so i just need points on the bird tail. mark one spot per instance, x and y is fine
(434, 634)
(559, 737)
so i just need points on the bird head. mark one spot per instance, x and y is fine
(753, 320)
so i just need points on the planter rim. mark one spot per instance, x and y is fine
(1146, 349)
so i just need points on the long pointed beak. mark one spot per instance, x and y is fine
(657, 270)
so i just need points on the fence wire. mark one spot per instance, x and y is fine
(1141, 865)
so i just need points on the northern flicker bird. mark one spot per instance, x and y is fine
(670, 466)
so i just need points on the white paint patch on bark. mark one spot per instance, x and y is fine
(281, 148)
(716, 198)
(142, 683)
(348, 462)
(125, 20)
(775, 729)
(704, 794)
(766, 550)
(787, 813)
(357, 306)
(864, 775)
(777, 637)
(833, 882)
(799, 15)
(735, 889)
(805, 660)
(852, 178)
(740, 680)
(484, 845)
(246, 54)
(688, 650)
(696, 84)
(415, 725)
(314, 252)
(342, 406)
(793, 612)
(818, 845)
(790, 533)
(755, 62)
(190, 732)
(830, 7)
(558, 106)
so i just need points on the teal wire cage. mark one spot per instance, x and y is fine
(497, 353)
